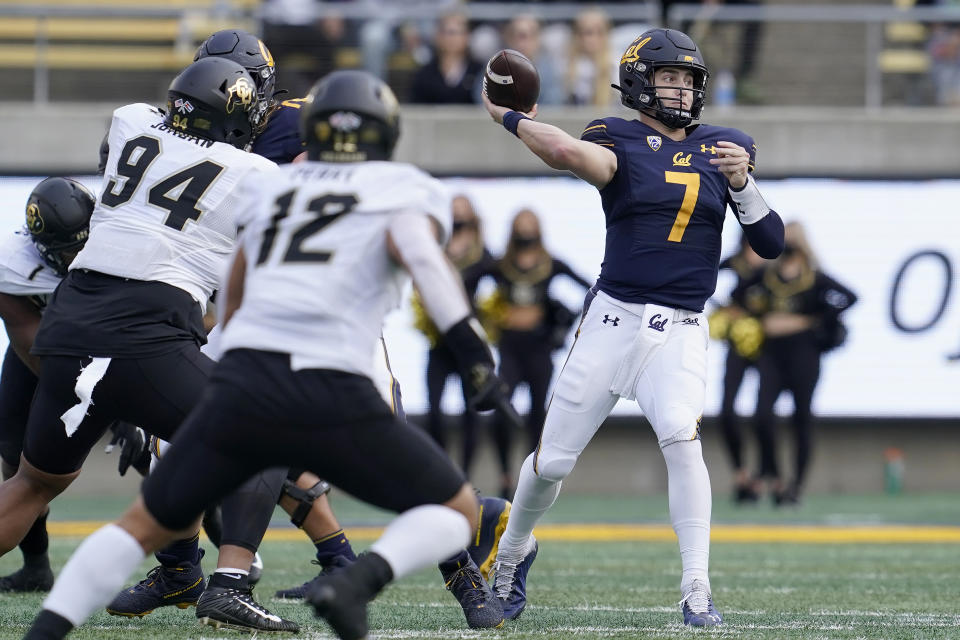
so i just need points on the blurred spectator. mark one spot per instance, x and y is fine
(799, 307)
(531, 326)
(467, 252)
(522, 33)
(410, 54)
(743, 335)
(591, 65)
(744, 65)
(452, 76)
(944, 50)
(305, 52)
(747, 92)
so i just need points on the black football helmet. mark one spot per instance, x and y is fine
(252, 54)
(652, 50)
(350, 116)
(214, 98)
(58, 219)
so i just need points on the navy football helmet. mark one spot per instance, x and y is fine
(214, 98)
(58, 219)
(652, 50)
(252, 54)
(350, 116)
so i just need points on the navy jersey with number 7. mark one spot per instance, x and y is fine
(664, 209)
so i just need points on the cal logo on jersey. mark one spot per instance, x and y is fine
(654, 142)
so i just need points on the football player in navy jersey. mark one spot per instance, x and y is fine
(665, 184)
(281, 141)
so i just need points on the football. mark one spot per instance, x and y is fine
(511, 81)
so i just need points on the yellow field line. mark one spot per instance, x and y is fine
(881, 534)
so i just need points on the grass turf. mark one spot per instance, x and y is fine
(629, 589)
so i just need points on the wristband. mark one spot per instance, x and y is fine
(749, 203)
(511, 120)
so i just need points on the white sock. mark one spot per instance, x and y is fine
(690, 504)
(533, 497)
(96, 571)
(421, 537)
(241, 572)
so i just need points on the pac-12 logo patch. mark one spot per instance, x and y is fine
(655, 142)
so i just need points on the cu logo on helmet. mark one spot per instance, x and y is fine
(240, 93)
(34, 221)
(345, 121)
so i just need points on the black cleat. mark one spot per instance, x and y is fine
(221, 607)
(481, 607)
(298, 593)
(27, 579)
(180, 586)
(341, 598)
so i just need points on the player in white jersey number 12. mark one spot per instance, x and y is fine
(327, 250)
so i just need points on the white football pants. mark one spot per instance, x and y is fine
(653, 354)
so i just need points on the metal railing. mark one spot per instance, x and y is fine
(874, 17)
(43, 13)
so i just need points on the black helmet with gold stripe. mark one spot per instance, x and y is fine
(655, 49)
(252, 54)
(213, 98)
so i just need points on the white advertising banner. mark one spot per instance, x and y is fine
(895, 244)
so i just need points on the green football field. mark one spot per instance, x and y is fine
(836, 567)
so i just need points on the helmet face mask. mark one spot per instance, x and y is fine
(252, 54)
(654, 50)
(350, 116)
(214, 98)
(58, 219)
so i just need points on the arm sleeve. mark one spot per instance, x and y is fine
(439, 285)
(766, 235)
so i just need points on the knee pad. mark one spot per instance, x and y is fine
(554, 466)
(678, 425)
(304, 498)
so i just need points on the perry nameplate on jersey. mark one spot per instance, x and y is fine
(319, 279)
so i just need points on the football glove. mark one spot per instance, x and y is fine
(483, 389)
(134, 447)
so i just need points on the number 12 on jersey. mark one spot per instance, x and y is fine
(328, 208)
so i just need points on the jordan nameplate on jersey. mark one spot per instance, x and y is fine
(167, 207)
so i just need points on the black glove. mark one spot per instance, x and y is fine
(483, 390)
(134, 447)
